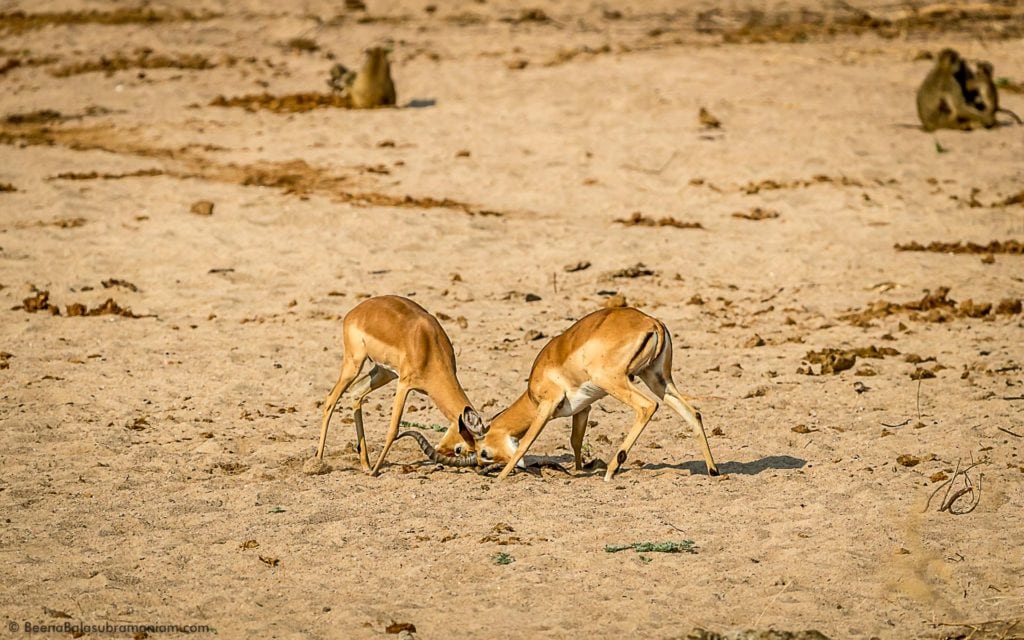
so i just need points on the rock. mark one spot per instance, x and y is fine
(754, 341)
(202, 208)
(617, 300)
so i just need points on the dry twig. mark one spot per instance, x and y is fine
(969, 488)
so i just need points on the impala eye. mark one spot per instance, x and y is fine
(485, 455)
(459, 448)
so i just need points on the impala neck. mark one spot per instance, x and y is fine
(515, 421)
(448, 395)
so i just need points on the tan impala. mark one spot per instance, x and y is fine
(602, 354)
(402, 341)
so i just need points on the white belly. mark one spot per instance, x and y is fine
(580, 398)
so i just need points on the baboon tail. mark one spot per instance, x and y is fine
(1011, 114)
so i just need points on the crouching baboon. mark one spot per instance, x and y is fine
(370, 88)
(981, 89)
(941, 100)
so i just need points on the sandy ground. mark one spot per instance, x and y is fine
(151, 467)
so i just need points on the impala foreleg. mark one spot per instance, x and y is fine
(579, 429)
(543, 415)
(396, 418)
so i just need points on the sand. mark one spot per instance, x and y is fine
(151, 467)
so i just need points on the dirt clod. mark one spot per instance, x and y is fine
(202, 208)
(637, 219)
(908, 460)
(288, 103)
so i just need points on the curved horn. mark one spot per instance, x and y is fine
(451, 461)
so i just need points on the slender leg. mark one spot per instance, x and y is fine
(624, 391)
(396, 417)
(579, 429)
(375, 379)
(361, 389)
(543, 415)
(350, 368)
(675, 400)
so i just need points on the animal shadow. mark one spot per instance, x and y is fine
(752, 468)
(420, 103)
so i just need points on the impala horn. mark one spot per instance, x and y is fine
(450, 461)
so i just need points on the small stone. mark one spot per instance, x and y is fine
(707, 120)
(908, 460)
(202, 208)
(757, 392)
(754, 341)
(617, 300)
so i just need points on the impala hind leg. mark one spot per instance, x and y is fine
(350, 367)
(625, 392)
(396, 418)
(675, 400)
(375, 379)
(579, 429)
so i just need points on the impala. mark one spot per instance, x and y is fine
(602, 354)
(402, 341)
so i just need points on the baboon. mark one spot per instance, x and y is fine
(941, 103)
(341, 78)
(371, 87)
(981, 90)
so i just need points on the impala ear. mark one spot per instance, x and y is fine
(471, 421)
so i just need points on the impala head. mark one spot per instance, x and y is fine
(458, 446)
(496, 449)
(493, 446)
(474, 444)
(459, 439)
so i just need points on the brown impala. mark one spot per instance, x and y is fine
(402, 341)
(602, 354)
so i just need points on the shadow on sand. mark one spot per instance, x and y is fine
(535, 466)
(768, 463)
